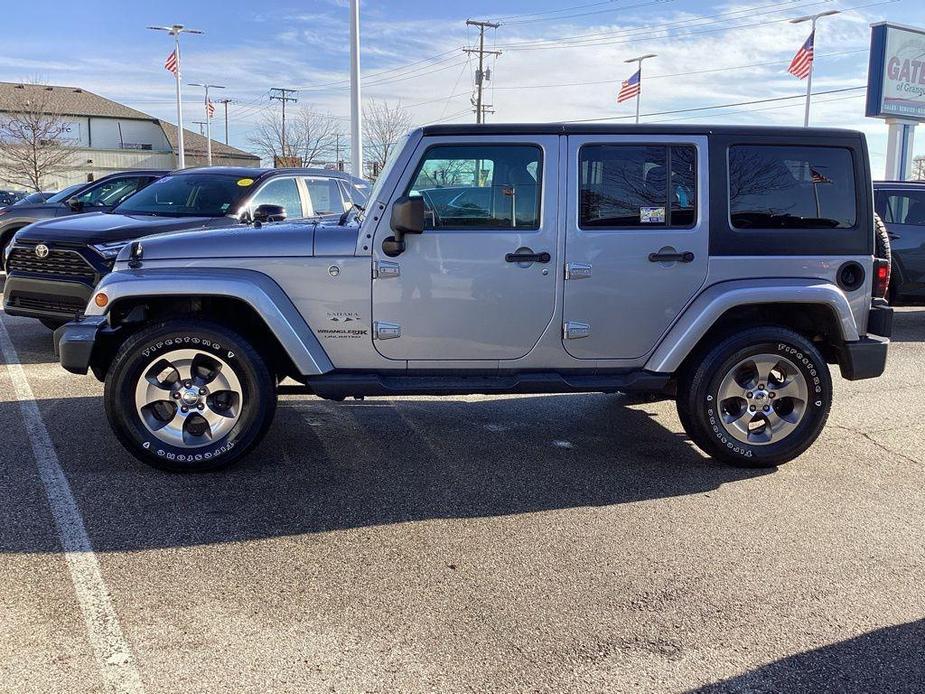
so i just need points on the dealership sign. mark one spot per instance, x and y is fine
(896, 76)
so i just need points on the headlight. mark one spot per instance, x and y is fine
(109, 250)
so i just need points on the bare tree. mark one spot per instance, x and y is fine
(918, 168)
(34, 140)
(310, 135)
(383, 126)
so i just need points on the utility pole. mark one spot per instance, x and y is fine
(809, 82)
(225, 102)
(481, 76)
(356, 112)
(283, 96)
(175, 30)
(209, 109)
(202, 126)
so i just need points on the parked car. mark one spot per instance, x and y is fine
(901, 206)
(34, 198)
(52, 266)
(708, 264)
(101, 195)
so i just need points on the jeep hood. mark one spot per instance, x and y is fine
(240, 241)
(100, 227)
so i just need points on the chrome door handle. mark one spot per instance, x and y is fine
(685, 257)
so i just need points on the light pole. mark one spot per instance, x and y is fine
(356, 112)
(638, 60)
(207, 87)
(175, 30)
(809, 80)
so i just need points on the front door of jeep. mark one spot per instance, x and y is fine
(480, 282)
(636, 241)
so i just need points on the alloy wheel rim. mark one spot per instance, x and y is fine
(762, 399)
(188, 398)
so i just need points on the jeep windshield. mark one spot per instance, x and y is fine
(189, 195)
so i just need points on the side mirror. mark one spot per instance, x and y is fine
(269, 213)
(75, 204)
(408, 215)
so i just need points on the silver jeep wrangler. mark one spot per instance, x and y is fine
(724, 267)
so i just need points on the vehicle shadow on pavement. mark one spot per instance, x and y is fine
(909, 325)
(886, 660)
(328, 466)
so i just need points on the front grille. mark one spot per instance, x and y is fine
(41, 302)
(59, 263)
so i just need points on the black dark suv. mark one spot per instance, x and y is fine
(52, 266)
(101, 195)
(901, 206)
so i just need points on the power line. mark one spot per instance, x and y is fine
(675, 74)
(717, 106)
(657, 30)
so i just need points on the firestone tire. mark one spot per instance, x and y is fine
(241, 404)
(802, 396)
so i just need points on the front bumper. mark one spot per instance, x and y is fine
(74, 342)
(34, 297)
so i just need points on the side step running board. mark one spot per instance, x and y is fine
(339, 386)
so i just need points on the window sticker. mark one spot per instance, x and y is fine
(652, 215)
(245, 182)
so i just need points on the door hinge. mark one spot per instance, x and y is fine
(384, 269)
(577, 271)
(386, 331)
(572, 330)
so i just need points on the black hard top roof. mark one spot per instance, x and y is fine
(626, 129)
(254, 172)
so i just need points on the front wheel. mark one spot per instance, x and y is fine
(188, 396)
(759, 398)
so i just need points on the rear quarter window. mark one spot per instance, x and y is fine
(792, 187)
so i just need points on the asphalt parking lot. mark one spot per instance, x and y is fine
(574, 543)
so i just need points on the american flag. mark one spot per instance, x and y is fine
(210, 108)
(802, 62)
(171, 63)
(817, 177)
(629, 88)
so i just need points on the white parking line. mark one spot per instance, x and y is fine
(113, 656)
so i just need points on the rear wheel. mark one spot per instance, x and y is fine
(189, 397)
(757, 399)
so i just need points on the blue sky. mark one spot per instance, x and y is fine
(561, 60)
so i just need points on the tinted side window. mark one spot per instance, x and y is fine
(637, 186)
(901, 206)
(782, 187)
(280, 191)
(480, 186)
(111, 192)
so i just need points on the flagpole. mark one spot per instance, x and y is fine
(208, 130)
(206, 105)
(639, 93)
(181, 155)
(809, 79)
(812, 63)
(175, 30)
(638, 60)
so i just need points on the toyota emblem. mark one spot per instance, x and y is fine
(41, 250)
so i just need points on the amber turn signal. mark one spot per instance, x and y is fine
(101, 299)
